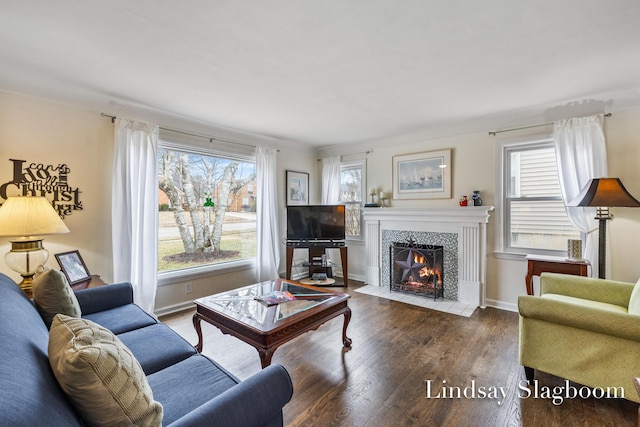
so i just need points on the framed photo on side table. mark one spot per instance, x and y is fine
(422, 175)
(297, 188)
(73, 267)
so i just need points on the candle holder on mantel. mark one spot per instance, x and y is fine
(384, 199)
(372, 195)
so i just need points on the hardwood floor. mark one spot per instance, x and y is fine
(397, 349)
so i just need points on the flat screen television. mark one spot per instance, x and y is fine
(316, 222)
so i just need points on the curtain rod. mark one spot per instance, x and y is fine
(494, 132)
(351, 154)
(210, 138)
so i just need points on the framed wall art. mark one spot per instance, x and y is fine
(422, 175)
(73, 267)
(297, 188)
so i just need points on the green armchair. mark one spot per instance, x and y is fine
(582, 329)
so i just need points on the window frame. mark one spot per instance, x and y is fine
(504, 149)
(362, 165)
(187, 145)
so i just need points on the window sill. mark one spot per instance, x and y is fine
(173, 276)
(355, 240)
(509, 255)
(519, 256)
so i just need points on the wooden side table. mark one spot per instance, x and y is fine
(537, 264)
(93, 282)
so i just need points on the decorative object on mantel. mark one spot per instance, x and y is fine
(464, 201)
(372, 194)
(43, 180)
(603, 193)
(27, 217)
(422, 175)
(477, 201)
(384, 199)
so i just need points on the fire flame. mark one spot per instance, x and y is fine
(426, 271)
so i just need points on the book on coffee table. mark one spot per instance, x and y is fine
(275, 297)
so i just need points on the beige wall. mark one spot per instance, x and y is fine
(42, 131)
(474, 168)
(47, 132)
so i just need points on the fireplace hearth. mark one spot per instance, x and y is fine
(416, 269)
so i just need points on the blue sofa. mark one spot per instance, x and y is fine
(194, 390)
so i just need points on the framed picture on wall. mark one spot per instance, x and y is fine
(422, 175)
(297, 188)
(73, 267)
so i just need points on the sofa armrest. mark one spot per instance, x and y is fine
(621, 325)
(252, 402)
(93, 300)
(609, 291)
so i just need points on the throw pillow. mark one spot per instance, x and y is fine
(100, 375)
(52, 295)
(634, 301)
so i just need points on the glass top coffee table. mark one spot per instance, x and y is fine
(248, 314)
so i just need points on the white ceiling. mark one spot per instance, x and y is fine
(327, 72)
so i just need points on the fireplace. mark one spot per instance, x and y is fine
(461, 231)
(416, 268)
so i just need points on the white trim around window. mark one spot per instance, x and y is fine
(502, 150)
(362, 165)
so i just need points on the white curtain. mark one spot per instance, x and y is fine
(268, 250)
(331, 180)
(582, 155)
(134, 209)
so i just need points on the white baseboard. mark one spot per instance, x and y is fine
(174, 308)
(507, 306)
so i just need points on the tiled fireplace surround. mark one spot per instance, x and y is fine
(461, 230)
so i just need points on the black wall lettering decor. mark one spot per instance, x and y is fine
(38, 179)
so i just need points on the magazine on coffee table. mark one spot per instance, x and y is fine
(275, 297)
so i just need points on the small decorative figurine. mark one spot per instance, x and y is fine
(477, 201)
(464, 201)
(208, 203)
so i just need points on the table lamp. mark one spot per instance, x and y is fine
(603, 193)
(26, 217)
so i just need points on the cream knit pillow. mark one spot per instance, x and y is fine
(100, 375)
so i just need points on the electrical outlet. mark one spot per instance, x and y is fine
(187, 288)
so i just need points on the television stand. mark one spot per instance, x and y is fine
(316, 251)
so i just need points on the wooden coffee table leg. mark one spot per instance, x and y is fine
(265, 356)
(346, 341)
(197, 326)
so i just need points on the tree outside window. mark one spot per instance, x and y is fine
(207, 209)
(351, 195)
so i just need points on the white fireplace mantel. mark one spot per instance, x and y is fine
(469, 223)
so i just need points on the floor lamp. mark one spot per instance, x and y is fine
(603, 193)
(27, 217)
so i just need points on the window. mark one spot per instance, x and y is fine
(206, 208)
(352, 195)
(535, 219)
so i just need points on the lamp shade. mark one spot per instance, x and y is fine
(29, 216)
(607, 192)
